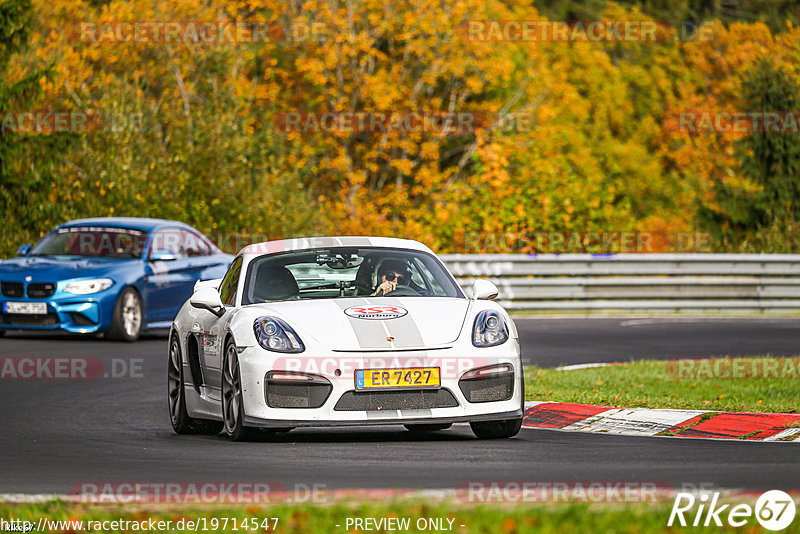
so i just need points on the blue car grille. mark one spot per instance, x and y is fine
(18, 319)
(12, 289)
(41, 291)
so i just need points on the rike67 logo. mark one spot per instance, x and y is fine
(774, 510)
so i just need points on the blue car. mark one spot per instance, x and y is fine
(113, 275)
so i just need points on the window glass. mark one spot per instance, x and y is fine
(92, 241)
(227, 290)
(181, 243)
(347, 272)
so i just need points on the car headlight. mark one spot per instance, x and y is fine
(489, 330)
(274, 334)
(85, 287)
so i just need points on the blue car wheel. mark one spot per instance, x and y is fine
(126, 323)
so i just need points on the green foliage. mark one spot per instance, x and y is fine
(759, 213)
(29, 167)
(527, 512)
(196, 136)
(774, 13)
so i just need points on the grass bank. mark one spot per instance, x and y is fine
(757, 384)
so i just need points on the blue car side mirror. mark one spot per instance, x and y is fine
(24, 249)
(162, 255)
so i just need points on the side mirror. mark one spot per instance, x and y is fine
(162, 255)
(24, 249)
(207, 283)
(207, 298)
(483, 290)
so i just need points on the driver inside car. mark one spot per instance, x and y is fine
(391, 274)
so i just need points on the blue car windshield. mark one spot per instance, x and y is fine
(92, 241)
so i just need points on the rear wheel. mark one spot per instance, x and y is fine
(181, 422)
(232, 405)
(428, 427)
(496, 429)
(126, 323)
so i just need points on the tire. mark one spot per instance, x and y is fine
(126, 323)
(176, 395)
(428, 427)
(232, 405)
(496, 429)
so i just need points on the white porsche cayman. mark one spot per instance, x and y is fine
(343, 331)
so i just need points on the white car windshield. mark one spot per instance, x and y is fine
(347, 272)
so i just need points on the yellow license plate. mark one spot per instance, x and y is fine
(416, 377)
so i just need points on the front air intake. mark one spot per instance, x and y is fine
(488, 384)
(295, 390)
(425, 399)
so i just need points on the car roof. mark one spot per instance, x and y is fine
(133, 223)
(303, 243)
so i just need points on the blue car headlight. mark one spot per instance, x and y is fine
(87, 287)
(489, 330)
(275, 335)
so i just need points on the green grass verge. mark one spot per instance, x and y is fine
(323, 519)
(665, 384)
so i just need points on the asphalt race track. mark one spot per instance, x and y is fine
(59, 433)
(551, 342)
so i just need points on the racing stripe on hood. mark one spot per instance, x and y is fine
(403, 329)
(370, 334)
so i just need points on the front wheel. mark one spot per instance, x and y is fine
(126, 323)
(179, 417)
(232, 405)
(496, 429)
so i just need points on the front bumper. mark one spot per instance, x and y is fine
(80, 314)
(453, 362)
(407, 420)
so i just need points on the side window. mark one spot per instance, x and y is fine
(227, 290)
(168, 241)
(195, 245)
(430, 280)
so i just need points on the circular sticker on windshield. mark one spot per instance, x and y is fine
(376, 312)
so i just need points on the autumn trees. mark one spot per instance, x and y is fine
(567, 135)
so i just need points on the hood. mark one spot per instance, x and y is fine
(415, 323)
(53, 269)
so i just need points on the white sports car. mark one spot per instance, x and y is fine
(343, 331)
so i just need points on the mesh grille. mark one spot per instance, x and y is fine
(12, 289)
(18, 319)
(488, 389)
(41, 291)
(353, 401)
(302, 395)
